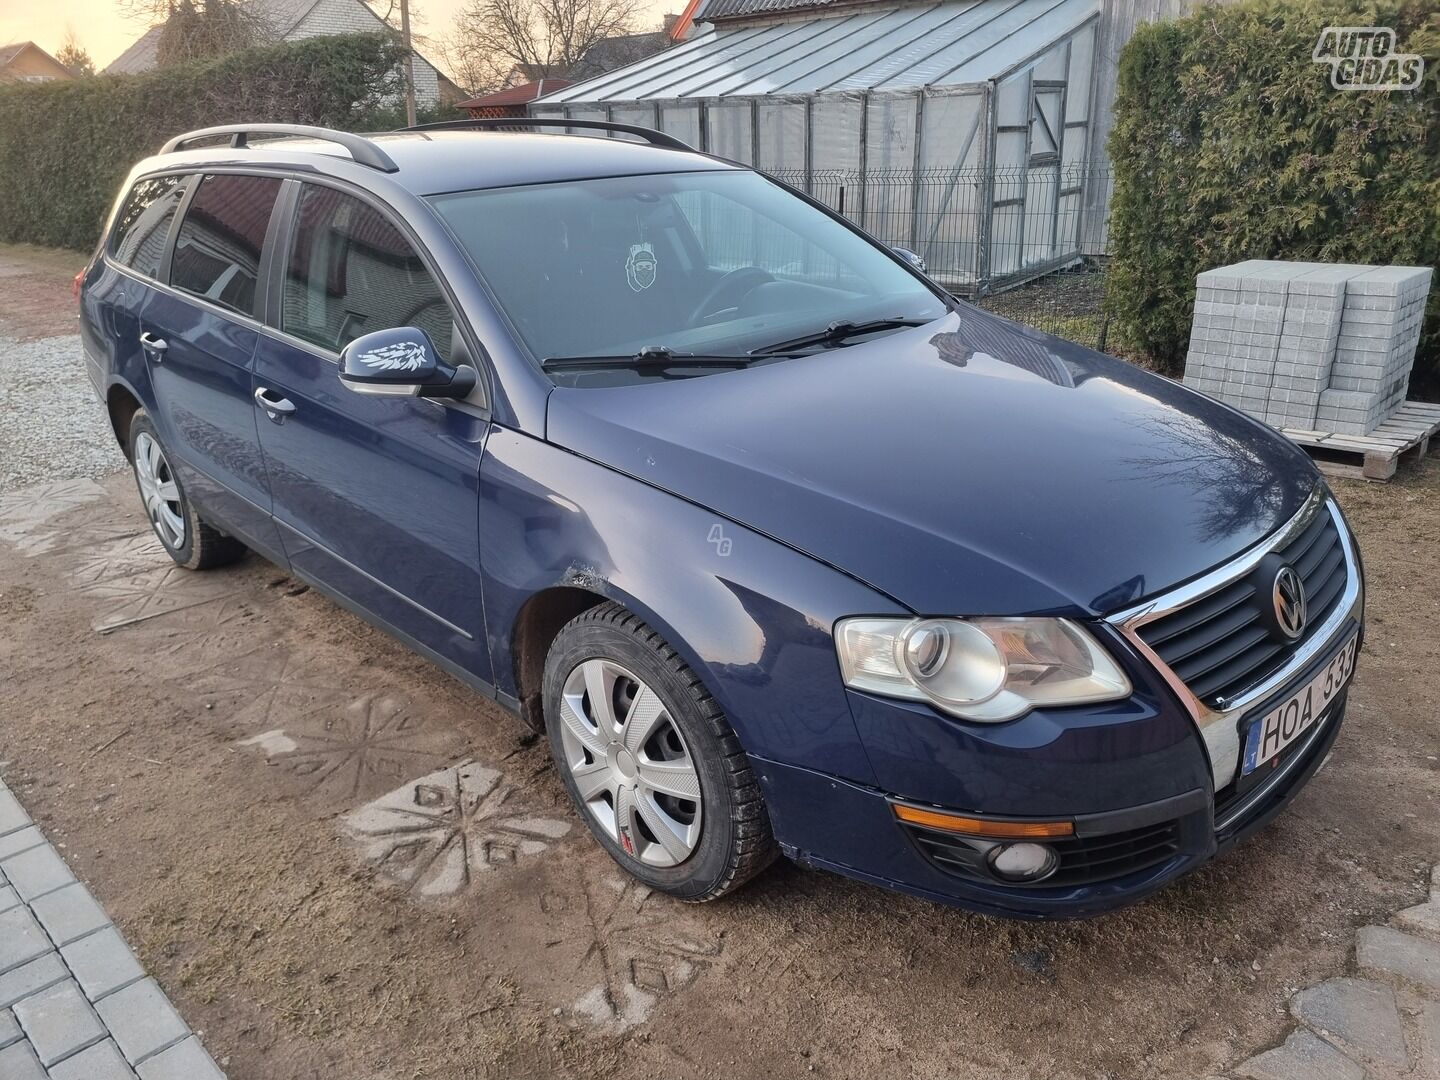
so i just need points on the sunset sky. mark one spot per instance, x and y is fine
(105, 31)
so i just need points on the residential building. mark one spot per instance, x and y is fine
(24, 61)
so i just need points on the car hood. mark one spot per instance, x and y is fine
(970, 466)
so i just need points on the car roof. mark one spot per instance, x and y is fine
(434, 162)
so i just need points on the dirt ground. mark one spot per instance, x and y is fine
(342, 864)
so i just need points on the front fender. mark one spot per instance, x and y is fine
(750, 616)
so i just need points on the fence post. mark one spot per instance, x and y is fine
(987, 196)
(915, 173)
(864, 152)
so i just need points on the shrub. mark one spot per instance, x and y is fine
(1230, 143)
(65, 147)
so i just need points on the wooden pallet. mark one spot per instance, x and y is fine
(1375, 456)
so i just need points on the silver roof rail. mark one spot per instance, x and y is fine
(650, 135)
(361, 149)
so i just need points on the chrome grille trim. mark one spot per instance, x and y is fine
(1219, 726)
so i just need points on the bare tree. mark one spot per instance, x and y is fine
(72, 55)
(199, 28)
(545, 38)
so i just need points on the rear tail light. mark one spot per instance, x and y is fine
(75, 286)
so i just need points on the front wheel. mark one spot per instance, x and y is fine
(185, 535)
(650, 760)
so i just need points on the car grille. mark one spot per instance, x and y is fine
(1083, 860)
(1222, 644)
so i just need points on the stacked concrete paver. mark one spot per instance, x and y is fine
(74, 1002)
(1313, 346)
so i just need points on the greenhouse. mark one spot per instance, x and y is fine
(959, 129)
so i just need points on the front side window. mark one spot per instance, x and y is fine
(702, 263)
(351, 272)
(138, 239)
(217, 251)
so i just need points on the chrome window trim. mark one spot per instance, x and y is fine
(1220, 727)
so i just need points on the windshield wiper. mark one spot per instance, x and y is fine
(835, 333)
(650, 356)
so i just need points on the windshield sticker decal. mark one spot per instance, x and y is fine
(640, 267)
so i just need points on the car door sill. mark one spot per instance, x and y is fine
(381, 623)
(373, 580)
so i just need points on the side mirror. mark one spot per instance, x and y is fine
(910, 257)
(402, 362)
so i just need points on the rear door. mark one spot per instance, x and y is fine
(199, 336)
(376, 497)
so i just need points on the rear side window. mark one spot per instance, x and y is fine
(351, 272)
(138, 240)
(217, 251)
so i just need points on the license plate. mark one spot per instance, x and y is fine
(1280, 727)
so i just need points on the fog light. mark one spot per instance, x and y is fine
(1023, 862)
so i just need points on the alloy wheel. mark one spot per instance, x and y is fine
(159, 491)
(630, 763)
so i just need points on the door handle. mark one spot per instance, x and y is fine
(276, 408)
(154, 347)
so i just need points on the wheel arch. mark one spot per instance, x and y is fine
(122, 404)
(537, 624)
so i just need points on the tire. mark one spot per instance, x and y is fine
(185, 535)
(689, 744)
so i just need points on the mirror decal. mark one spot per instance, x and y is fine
(398, 356)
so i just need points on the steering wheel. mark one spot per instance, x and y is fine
(740, 281)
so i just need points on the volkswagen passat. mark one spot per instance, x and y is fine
(787, 550)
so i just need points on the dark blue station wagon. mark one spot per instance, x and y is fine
(788, 550)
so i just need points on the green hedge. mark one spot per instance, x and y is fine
(1230, 143)
(65, 147)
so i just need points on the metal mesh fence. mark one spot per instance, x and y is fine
(979, 231)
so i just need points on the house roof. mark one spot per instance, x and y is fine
(875, 47)
(610, 53)
(10, 53)
(282, 16)
(515, 95)
(731, 9)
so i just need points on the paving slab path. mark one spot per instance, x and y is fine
(75, 1004)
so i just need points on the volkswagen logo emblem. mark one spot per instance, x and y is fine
(1289, 596)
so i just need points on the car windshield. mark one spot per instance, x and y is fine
(702, 264)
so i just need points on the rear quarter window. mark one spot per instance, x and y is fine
(138, 239)
(217, 250)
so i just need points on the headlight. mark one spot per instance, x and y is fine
(978, 669)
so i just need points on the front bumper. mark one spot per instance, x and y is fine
(841, 826)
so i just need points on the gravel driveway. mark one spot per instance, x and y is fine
(52, 425)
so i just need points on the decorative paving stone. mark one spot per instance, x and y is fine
(1359, 1015)
(142, 1020)
(1382, 950)
(27, 515)
(434, 834)
(9, 1028)
(638, 951)
(58, 1022)
(18, 1062)
(18, 841)
(183, 1061)
(69, 913)
(126, 601)
(1422, 919)
(1302, 1057)
(8, 899)
(36, 872)
(120, 558)
(12, 814)
(103, 1061)
(102, 963)
(31, 978)
(21, 939)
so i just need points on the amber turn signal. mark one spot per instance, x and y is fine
(969, 826)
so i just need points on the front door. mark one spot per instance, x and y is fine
(376, 497)
(199, 341)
